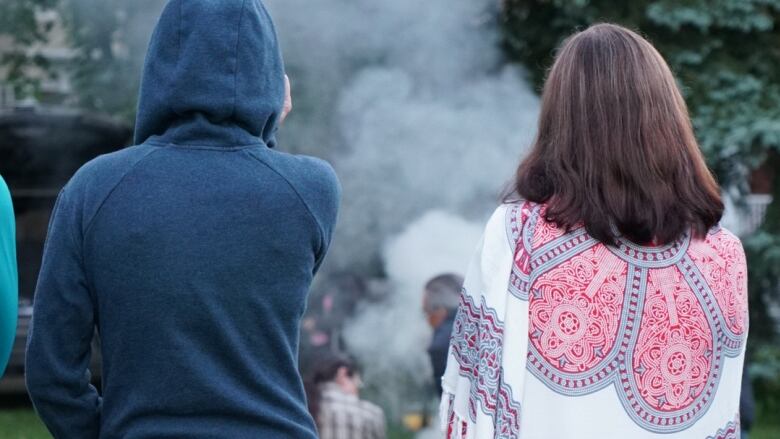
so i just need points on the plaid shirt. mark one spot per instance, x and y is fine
(344, 416)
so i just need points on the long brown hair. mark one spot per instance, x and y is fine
(615, 149)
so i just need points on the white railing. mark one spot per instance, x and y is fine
(756, 211)
(748, 216)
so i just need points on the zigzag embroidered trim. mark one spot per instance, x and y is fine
(657, 324)
(477, 340)
(730, 431)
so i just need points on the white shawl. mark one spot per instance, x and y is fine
(483, 337)
(485, 379)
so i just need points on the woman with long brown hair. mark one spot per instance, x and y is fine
(604, 301)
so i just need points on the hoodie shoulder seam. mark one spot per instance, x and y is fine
(306, 206)
(111, 191)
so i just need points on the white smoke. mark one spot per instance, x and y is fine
(436, 243)
(416, 108)
(412, 103)
(390, 338)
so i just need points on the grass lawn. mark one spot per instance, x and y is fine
(24, 424)
(21, 424)
(765, 431)
(395, 432)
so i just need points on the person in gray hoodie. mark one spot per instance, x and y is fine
(191, 253)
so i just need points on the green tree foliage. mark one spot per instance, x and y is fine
(726, 56)
(19, 25)
(108, 38)
(724, 52)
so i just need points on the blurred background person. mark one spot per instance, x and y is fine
(441, 298)
(333, 392)
(9, 291)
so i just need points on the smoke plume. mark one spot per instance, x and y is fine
(390, 338)
(413, 104)
(424, 121)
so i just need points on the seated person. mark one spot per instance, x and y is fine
(335, 404)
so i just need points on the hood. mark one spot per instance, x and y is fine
(213, 76)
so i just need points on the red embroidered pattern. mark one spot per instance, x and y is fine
(673, 355)
(519, 216)
(545, 232)
(575, 325)
(654, 322)
(725, 272)
(477, 340)
(456, 428)
(730, 431)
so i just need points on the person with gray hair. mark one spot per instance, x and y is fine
(440, 304)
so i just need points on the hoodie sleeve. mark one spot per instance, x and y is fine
(9, 286)
(59, 344)
(325, 201)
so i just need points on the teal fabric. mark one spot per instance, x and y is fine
(9, 279)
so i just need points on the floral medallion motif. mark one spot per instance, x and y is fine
(656, 323)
